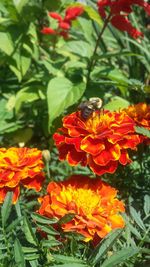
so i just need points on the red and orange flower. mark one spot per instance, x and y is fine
(101, 142)
(20, 166)
(93, 203)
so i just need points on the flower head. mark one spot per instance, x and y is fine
(101, 142)
(20, 166)
(93, 203)
(119, 11)
(140, 113)
(64, 24)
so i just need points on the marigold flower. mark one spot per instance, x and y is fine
(140, 113)
(93, 203)
(20, 166)
(64, 24)
(101, 142)
(119, 11)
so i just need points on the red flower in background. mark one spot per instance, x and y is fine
(101, 142)
(93, 203)
(20, 166)
(64, 24)
(119, 11)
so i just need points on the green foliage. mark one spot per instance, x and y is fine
(44, 77)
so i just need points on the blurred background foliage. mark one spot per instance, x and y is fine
(42, 79)
(41, 76)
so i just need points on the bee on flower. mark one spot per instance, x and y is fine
(102, 141)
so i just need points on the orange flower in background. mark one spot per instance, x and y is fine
(101, 142)
(20, 166)
(93, 203)
(140, 113)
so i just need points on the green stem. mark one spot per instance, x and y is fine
(92, 62)
(47, 169)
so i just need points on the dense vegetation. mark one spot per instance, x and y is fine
(44, 77)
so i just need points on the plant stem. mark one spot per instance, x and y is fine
(92, 62)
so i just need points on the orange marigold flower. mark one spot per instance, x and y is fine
(93, 203)
(101, 142)
(20, 166)
(140, 113)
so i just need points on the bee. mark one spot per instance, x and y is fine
(88, 107)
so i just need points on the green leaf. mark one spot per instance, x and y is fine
(147, 204)
(93, 14)
(48, 229)
(120, 256)
(26, 95)
(66, 218)
(6, 44)
(6, 208)
(43, 220)
(28, 231)
(14, 224)
(50, 243)
(80, 48)
(116, 103)
(19, 4)
(104, 246)
(19, 256)
(72, 265)
(143, 131)
(137, 218)
(67, 259)
(61, 94)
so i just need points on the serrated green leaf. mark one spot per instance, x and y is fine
(31, 257)
(6, 208)
(19, 256)
(147, 204)
(28, 231)
(61, 94)
(48, 229)
(143, 131)
(43, 220)
(29, 250)
(13, 224)
(104, 246)
(50, 243)
(137, 218)
(66, 259)
(120, 256)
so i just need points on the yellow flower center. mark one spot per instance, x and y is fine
(97, 122)
(85, 199)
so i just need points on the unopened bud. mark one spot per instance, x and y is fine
(46, 155)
